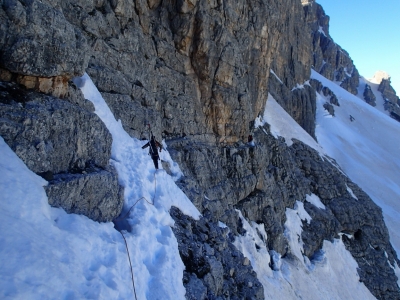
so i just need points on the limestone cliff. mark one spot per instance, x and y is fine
(199, 72)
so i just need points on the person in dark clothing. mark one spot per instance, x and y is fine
(153, 151)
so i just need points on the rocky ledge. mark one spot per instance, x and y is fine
(66, 143)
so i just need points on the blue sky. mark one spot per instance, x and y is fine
(370, 32)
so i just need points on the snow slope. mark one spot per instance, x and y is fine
(332, 275)
(49, 254)
(368, 150)
(155, 255)
(46, 253)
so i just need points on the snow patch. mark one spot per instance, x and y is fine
(332, 273)
(49, 254)
(315, 200)
(222, 225)
(351, 192)
(276, 76)
(176, 172)
(150, 236)
(258, 255)
(283, 125)
(294, 228)
(397, 272)
(321, 30)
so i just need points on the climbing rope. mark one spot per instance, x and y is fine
(126, 214)
(142, 198)
(129, 257)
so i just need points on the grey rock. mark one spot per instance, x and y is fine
(329, 108)
(392, 101)
(289, 173)
(214, 279)
(75, 96)
(50, 134)
(67, 145)
(212, 274)
(369, 96)
(317, 85)
(299, 103)
(351, 83)
(195, 289)
(199, 72)
(39, 41)
(329, 59)
(388, 91)
(246, 261)
(96, 195)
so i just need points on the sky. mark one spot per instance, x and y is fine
(370, 32)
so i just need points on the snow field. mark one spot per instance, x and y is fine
(367, 149)
(48, 254)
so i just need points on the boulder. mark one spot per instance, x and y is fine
(50, 134)
(96, 195)
(67, 145)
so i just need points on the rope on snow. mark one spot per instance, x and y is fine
(125, 215)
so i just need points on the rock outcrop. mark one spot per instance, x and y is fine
(39, 46)
(329, 59)
(369, 96)
(66, 144)
(214, 267)
(392, 102)
(95, 194)
(281, 175)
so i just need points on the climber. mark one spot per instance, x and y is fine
(250, 140)
(153, 151)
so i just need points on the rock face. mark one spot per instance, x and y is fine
(199, 72)
(392, 102)
(55, 138)
(96, 195)
(290, 67)
(283, 175)
(40, 46)
(329, 59)
(369, 96)
(214, 267)
(41, 130)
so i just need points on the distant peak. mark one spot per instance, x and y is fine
(379, 76)
(307, 2)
